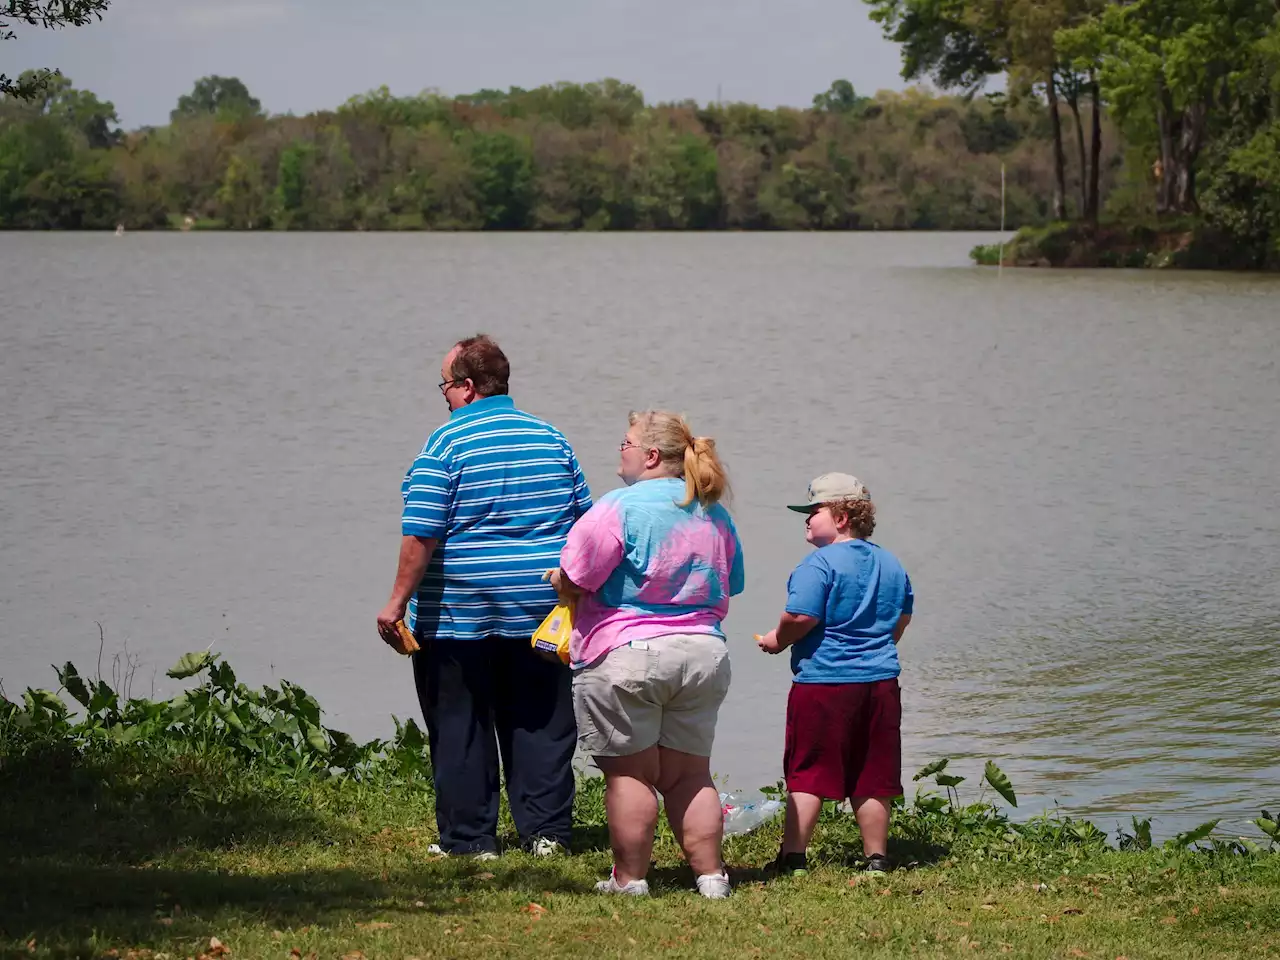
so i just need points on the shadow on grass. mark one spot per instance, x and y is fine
(74, 910)
(155, 849)
(129, 808)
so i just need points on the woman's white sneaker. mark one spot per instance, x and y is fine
(714, 886)
(632, 888)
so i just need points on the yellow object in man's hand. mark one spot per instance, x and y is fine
(405, 642)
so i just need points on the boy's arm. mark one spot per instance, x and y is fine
(792, 628)
(900, 627)
(807, 590)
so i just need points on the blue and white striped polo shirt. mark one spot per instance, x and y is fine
(499, 489)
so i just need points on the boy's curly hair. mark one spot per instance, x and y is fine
(861, 515)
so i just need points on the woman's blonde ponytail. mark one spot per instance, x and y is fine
(704, 476)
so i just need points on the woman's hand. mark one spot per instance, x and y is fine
(565, 588)
(770, 643)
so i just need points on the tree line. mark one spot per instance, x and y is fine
(1162, 112)
(566, 156)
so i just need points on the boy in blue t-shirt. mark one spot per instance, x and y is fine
(848, 604)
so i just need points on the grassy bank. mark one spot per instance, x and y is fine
(149, 830)
(1188, 245)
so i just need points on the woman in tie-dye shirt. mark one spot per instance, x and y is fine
(652, 567)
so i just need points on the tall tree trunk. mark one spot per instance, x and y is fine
(1095, 150)
(1059, 156)
(1166, 174)
(1073, 101)
(1181, 137)
(1189, 143)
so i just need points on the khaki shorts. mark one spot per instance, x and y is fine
(665, 691)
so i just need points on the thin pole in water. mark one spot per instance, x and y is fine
(1000, 266)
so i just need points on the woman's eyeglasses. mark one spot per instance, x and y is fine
(627, 443)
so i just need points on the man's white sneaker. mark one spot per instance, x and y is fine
(632, 888)
(546, 847)
(714, 886)
(435, 850)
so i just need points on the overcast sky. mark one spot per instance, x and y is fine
(304, 55)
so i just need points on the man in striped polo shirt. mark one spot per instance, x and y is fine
(487, 506)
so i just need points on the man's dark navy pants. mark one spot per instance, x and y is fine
(491, 698)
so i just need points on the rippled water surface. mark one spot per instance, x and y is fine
(203, 436)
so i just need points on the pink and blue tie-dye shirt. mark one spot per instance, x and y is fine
(650, 568)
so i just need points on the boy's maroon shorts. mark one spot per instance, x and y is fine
(844, 739)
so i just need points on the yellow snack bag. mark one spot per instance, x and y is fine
(552, 636)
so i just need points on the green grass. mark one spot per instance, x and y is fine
(230, 821)
(153, 852)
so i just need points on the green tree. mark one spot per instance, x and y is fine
(225, 97)
(942, 40)
(49, 14)
(1167, 67)
(961, 43)
(502, 180)
(673, 180)
(839, 98)
(57, 97)
(814, 190)
(296, 162)
(241, 199)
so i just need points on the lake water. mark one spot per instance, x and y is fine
(202, 439)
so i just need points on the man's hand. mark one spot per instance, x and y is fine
(770, 643)
(415, 554)
(391, 614)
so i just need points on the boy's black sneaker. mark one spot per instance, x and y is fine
(789, 865)
(876, 865)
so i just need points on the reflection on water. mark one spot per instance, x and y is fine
(1152, 719)
(203, 438)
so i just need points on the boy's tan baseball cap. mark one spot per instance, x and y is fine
(832, 486)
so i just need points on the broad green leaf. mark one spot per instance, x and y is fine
(222, 676)
(926, 771)
(317, 740)
(229, 716)
(1142, 833)
(103, 697)
(342, 741)
(999, 783)
(930, 803)
(44, 700)
(948, 780)
(191, 664)
(69, 677)
(1270, 827)
(1192, 836)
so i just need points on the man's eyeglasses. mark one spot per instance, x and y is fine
(446, 384)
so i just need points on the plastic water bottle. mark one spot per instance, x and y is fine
(744, 812)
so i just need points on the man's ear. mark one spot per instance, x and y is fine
(842, 519)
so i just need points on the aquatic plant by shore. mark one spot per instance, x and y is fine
(1185, 244)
